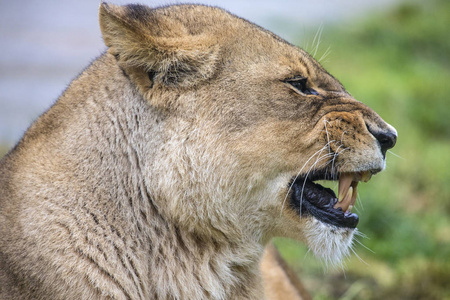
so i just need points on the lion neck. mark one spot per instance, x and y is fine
(189, 265)
(182, 263)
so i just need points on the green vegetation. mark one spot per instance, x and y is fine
(398, 63)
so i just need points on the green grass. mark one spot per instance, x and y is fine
(398, 63)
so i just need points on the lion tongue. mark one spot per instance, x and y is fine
(347, 192)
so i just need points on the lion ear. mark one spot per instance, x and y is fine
(159, 43)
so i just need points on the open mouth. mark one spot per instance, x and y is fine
(322, 203)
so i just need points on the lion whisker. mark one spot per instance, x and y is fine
(306, 177)
(396, 155)
(296, 176)
(334, 171)
(306, 254)
(317, 38)
(327, 52)
(360, 204)
(359, 257)
(367, 248)
(319, 152)
(363, 235)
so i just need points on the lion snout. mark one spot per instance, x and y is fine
(386, 138)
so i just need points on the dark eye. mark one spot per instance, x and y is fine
(151, 76)
(300, 84)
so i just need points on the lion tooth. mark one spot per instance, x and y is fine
(365, 176)
(349, 193)
(354, 192)
(346, 201)
(350, 207)
(344, 183)
(348, 190)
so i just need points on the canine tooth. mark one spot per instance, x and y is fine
(350, 207)
(354, 192)
(349, 194)
(346, 201)
(344, 183)
(365, 176)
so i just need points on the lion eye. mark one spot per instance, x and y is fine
(300, 84)
(151, 76)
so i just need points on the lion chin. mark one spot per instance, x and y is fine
(329, 243)
(330, 224)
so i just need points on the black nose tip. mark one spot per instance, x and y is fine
(386, 139)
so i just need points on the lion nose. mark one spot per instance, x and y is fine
(386, 139)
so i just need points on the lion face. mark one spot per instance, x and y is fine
(249, 123)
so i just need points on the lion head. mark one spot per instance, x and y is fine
(244, 123)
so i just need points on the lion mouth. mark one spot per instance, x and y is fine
(312, 198)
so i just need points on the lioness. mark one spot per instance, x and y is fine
(174, 158)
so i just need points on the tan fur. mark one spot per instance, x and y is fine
(280, 281)
(163, 170)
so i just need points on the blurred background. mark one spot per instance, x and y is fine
(393, 55)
